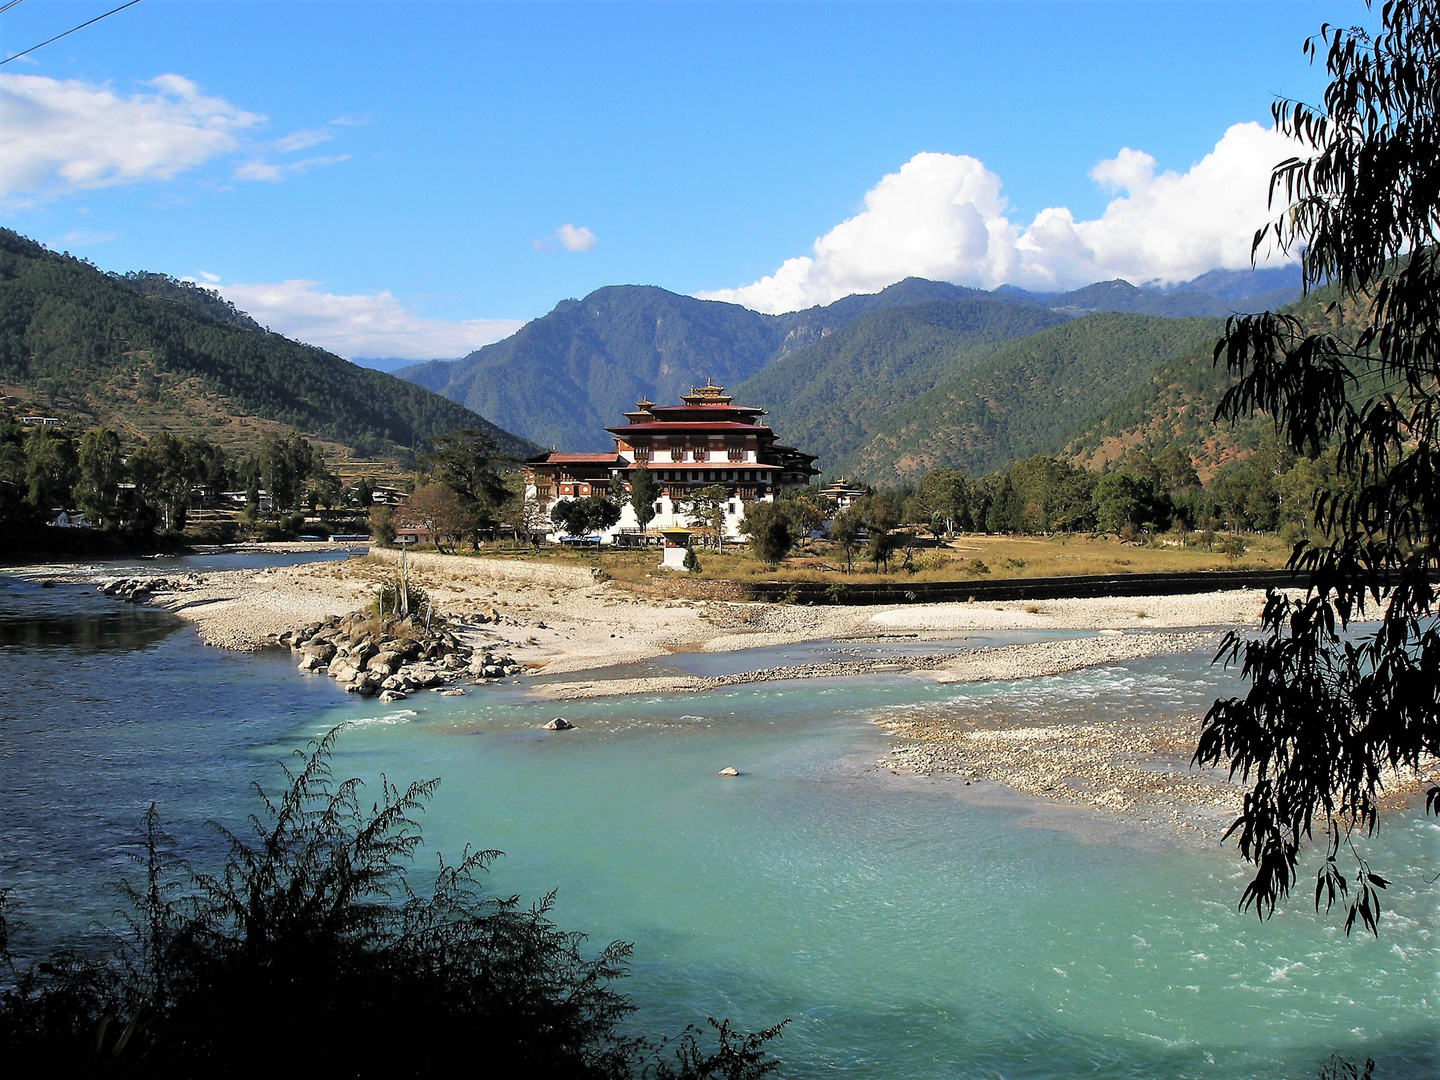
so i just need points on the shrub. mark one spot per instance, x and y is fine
(387, 598)
(692, 561)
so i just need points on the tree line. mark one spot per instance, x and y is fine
(148, 487)
(1272, 489)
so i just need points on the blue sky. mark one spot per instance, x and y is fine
(427, 153)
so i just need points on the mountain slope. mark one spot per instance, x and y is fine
(830, 398)
(561, 378)
(1176, 403)
(147, 352)
(1026, 398)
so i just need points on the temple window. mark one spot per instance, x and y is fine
(702, 453)
(677, 453)
(737, 453)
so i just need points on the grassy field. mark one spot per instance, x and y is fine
(967, 558)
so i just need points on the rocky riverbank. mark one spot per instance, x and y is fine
(392, 657)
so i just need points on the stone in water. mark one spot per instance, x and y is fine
(729, 770)
(559, 724)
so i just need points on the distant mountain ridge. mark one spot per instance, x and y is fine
(562, 378)
(144, 352)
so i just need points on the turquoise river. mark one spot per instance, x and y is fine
(906, 927)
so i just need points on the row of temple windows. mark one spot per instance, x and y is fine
(702, 476)
(688, 453)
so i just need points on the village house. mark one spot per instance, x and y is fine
(705, 441)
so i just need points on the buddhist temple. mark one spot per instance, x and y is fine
(706, 440)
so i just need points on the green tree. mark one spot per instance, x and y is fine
(808, 511)
(770, 529)
(1330, 707)
(584, 517)
(845, 532)
(382, 524)
(945, 497)
(101, 471)
(285, 466)
(15, 508)
(469, 462)
(1176, 470)
(50, 461)
(1122, 499)
(643, 493)
(165, 469)
(1004, 513)
(705, 510)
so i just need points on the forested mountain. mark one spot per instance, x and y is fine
(1029, 397)
(832, 397)
(562, 378)
(1176, 403)
(144, 353)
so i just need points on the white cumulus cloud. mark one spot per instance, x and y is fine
(361, 324)
(575, 239)
(66, 135)
(943, 216)
(569, 237)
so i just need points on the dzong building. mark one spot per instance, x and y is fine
(705, 441)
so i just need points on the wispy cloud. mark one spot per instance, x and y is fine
(568, 238)
(369, 325)
(302, 140)
(81, 238)
(274, 172)
(942, 216)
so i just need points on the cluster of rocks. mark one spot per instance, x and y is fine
(392, 658)
(138, 590)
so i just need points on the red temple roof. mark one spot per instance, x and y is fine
(691, 425)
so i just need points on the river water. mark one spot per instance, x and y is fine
(908, 928)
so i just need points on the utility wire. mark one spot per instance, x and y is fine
(8, 6)
(67, 33)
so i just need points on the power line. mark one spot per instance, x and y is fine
(67, 33)
(8, 6)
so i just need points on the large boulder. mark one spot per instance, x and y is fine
(385, 663)
(321, 650)
(344, 671)
(311, 663)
